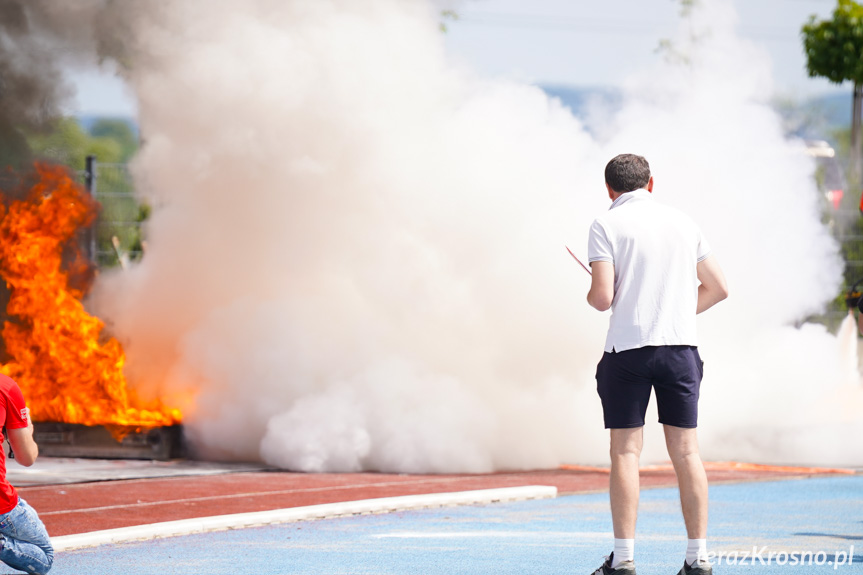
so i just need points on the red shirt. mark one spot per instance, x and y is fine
(13, 415)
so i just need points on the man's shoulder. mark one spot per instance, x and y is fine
(7, 384)
(643, 210)
(674, 210)
(599, 223)
(673, 213)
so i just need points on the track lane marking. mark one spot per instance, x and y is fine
(251, 494)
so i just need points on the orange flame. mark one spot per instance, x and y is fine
(66, 369)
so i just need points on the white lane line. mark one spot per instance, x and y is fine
(533, 535)
(495, 535)
(436, 479)
(327, 510)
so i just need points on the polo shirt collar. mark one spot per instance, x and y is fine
(640, 194)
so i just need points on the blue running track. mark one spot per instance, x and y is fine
(569, 535)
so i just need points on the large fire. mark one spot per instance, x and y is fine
(69, 372)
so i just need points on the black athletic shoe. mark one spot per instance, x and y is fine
(625, 567)
(698, 568)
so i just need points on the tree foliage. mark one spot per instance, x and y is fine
(113, 142)
(834, 48)
(67, 143)
(118, 131)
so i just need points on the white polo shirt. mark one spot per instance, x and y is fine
(654, 249)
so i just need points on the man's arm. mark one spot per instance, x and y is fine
(601, 285)
(25, 449)
(713, 288)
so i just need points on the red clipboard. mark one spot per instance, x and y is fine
(587, 269)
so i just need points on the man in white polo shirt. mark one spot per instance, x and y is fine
(653, 268)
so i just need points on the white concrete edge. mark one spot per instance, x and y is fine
(310, 512)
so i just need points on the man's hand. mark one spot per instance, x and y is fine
(601, 285)
(25, 449)
(713, 288)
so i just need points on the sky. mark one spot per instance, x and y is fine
(581, 43)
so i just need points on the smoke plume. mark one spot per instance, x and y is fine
(37, 41)
(355, 259)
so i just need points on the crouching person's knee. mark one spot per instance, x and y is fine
(39, 568)
(49, 562)
(34, 562)
(43, 568)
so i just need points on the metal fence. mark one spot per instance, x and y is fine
(116, 236)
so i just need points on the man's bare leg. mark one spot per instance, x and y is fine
(682, 446)
(623, 489)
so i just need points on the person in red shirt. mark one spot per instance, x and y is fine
(24, 542)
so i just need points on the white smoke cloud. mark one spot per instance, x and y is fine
(356, 258)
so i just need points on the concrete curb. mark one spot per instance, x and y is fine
(327, 510)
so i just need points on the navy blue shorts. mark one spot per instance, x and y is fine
(624, 380)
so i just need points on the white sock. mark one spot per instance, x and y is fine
(624, 550)
(696, 550)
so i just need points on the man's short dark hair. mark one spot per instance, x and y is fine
(627, 172)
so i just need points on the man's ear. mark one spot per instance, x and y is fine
(610, 192)
(650, 185)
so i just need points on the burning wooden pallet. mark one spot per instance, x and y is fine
(109, 442)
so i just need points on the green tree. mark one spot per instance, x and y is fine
(834, 50)
(67, 143)
(112, 142)
(118, 131)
